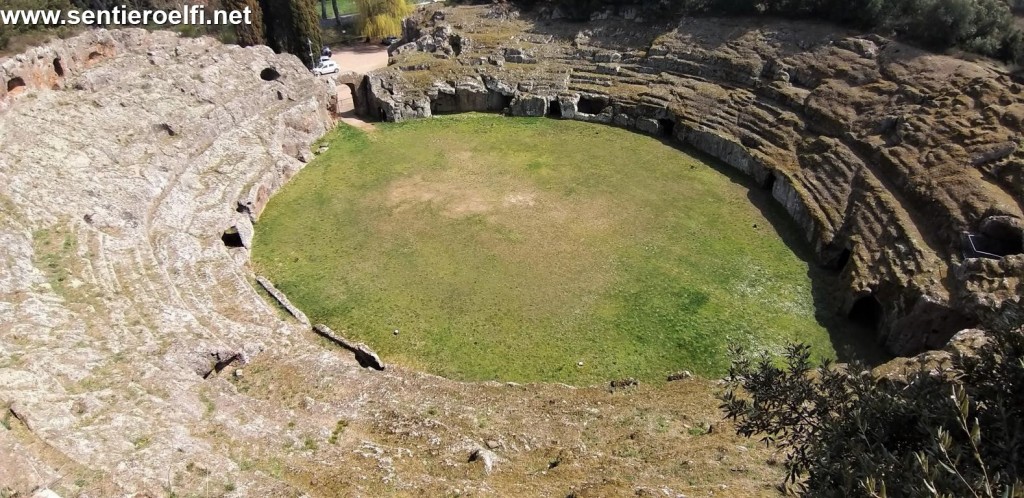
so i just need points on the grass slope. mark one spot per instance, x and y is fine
(514, 249)
(344, 7)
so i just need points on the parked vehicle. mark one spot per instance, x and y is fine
(326, 67)
(389, 40)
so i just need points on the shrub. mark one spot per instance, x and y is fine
(948, 431)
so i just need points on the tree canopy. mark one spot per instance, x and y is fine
(381, 18)
(952, 428)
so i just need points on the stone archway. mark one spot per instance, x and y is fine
(351, 96)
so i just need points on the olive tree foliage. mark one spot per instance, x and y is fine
(381, 18)
(947, 432)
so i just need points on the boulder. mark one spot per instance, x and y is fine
(528, 105)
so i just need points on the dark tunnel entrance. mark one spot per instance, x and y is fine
(867, 312)
(666, 127)
(591, 106)
(841, 260)
(231, 238)
(554, 109)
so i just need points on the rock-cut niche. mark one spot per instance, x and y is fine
(15, 83)
(269, 74)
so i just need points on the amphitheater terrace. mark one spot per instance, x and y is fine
(139, 356)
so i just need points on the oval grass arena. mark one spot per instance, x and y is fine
(534, 250)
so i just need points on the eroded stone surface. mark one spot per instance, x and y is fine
(119, 172)
(124, 317)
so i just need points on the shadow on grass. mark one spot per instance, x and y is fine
(853, 342)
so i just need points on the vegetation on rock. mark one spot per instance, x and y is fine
(949, 428)
(7, 32)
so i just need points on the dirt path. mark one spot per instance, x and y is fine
(359, 59)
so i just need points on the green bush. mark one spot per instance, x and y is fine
(941, 431)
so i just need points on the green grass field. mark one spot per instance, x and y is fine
(513, 249)
(344, 7)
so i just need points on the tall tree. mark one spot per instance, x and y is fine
(306, 35)
(249, 34)
(293, 26)
(381, 18)
(337, 14)
(323, 9)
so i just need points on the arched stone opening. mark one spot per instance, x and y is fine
(456, 42)
(504, 102)
(445, 103)
(58, 67)
(588, 105)
(355, 97)
(998, 236)
(15, 84)
(840, 262)
(349, 104)
(666, 127)
(231, 238)
(269, 74)
(991, 245)
(867, 312)
(555, 109)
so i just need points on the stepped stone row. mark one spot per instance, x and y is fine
(124, 158)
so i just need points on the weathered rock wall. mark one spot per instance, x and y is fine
(130, 319)
(883, 154)
(124, 156)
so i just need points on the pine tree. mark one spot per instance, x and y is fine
(249, 34)
(293, 26)
(381, 18)
(305, 31)
(277, 20)
(337, 14)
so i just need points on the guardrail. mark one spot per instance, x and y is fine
(970, 249)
